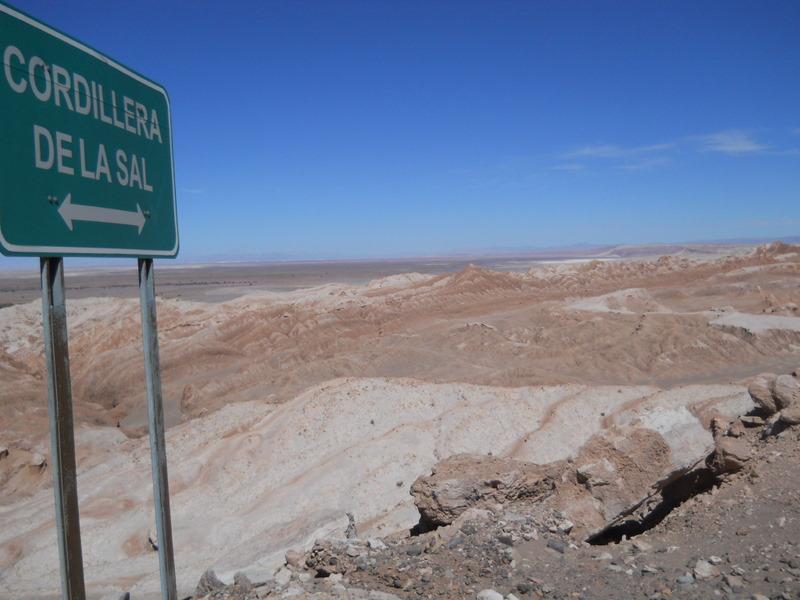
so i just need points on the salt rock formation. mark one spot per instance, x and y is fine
(274, 478)
(615, 471)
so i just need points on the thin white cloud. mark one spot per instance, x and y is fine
(734, 142)
(614, 151)
(647, 163)
(567, 167)
(193, 190)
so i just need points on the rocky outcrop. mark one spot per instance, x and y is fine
(775, 393)
(761, 392)
(615, 472)
(785, 391)
(208, 584)
(730, 455)
(791, 415)
(465, 481)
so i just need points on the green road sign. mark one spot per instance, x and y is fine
(85, 150)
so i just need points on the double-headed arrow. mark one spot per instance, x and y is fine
(81, 212)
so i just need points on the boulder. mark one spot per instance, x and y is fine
(791, 415)
(729, 455)
(761, 392)
(786, 391)
(619, 468)
(242, 583)
(208, 584)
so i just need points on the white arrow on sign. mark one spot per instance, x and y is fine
(81, 212)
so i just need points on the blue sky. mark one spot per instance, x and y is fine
(372, 128)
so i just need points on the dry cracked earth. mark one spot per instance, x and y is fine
(597, 429)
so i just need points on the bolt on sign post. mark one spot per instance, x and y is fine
(85, 170)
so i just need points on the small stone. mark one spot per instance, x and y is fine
(565, 526)
(686, 579)
(489, 595)
(282, 577)
(525, 588)
(511, 597)
(604, 556)
(38, 460)
(734, 582)
(376, 544)
(615, 568)
(596, 474)
(705, 570)
(647, 569)
(3, 451)
(759, 597)
(714, 560)
(294, 558)
(353, 551)
(556, 545)
(641, 546)
(506, 538)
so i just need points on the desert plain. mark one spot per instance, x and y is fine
(335, 428)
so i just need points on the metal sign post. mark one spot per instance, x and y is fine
(155, 415)
(87, 170)
(62, 445)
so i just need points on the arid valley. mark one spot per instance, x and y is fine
(524, 427)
